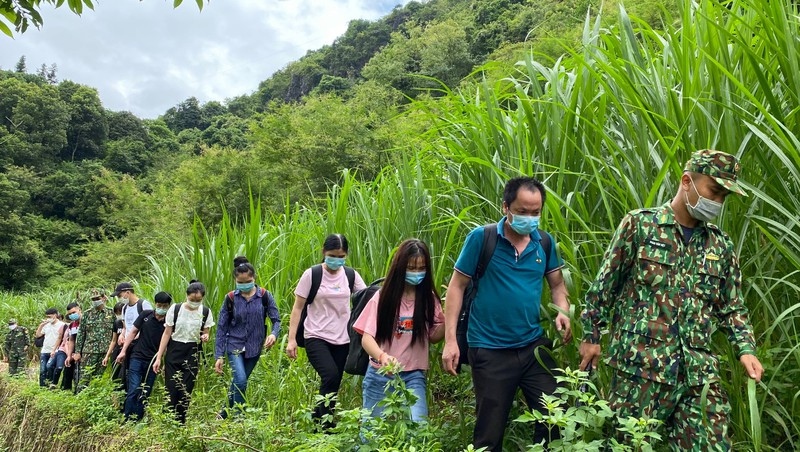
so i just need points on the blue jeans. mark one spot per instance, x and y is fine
(55, 365)
(242, 368)
(138, 371)
(374, 386)
(44, 369)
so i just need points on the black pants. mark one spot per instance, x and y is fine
(328, 360)
(496, 375)
(180, 374)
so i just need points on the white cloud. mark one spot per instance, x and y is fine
(146, 57)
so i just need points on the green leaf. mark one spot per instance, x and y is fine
(176, 3)
(89, 4)
(4, 28)
(200, 4)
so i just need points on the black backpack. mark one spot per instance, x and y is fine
(487, 250)
(358, 359)
(316, 280)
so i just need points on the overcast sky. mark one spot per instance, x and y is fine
(145, 56)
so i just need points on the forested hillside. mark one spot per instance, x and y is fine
(90, 192)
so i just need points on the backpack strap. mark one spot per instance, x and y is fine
(351, 277)
(139, 307)
(175, 316)
(316, 280)
(547, 242)
(487, 249)
(229, 306)
(205, 317)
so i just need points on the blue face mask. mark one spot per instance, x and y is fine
(245, 287)
(161, 311)
(414, 278)
(334, 263)
(74, 316)
(524, 224)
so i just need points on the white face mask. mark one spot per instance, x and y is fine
(705, 209)
(12, 327)
(194, 304)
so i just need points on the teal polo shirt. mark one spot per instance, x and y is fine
(505, 312)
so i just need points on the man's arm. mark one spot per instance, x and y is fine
(452, 308)
(559, 292)
(733, 317)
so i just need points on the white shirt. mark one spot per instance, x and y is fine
(188, 328)
(130, 312)
(51, 332)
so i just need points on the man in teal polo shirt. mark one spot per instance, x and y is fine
(504, 330)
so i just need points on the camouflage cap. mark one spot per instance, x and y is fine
(12, 321)
(721, 166)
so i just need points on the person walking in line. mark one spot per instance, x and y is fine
(507, 345)
(49, 329)
(16, 347)
(668, 278)
(149, 327)
(131, 310)
(63, 352)
(324, 293)
(91, 343)
(242, 332)
(187, 326)
(398, 323)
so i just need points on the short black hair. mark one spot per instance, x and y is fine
(513, 185)
(73, 305)
(118, 307)
(51, 311)
(163, 298)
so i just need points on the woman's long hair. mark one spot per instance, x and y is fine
(392, 292)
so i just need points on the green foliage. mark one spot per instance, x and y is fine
(21, 14)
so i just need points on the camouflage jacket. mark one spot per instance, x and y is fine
(95, 331)
(16, 341)
(664, 298)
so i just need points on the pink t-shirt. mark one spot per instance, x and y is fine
(412, 358)
(329, 312)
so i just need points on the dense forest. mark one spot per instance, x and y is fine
(408, 126)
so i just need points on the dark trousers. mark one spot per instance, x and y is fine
(496, 375)
(328, 360)
(67, 377)
(140, 384)
(180, 374)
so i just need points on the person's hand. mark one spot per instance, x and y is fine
(120, 357)
(120, 341)
(387, 359)
(76, 357)
(752, 366)
(68, 361)
(204, 337)
(157, 365)
(218, 366)
(450, 356)
(270, 341)
(291, 349)
(590, 353)
(105, 361)
(564, 326)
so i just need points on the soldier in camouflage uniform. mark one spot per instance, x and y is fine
(16, 347)
(91, 343)
(667, 280)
